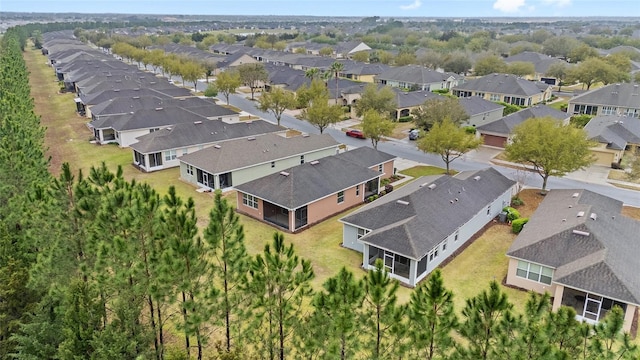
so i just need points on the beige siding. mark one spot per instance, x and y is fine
(514, 280)
(253, 212)
(328, 206)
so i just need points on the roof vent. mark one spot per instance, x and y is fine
(284, 173)
(582, 233)
(158, 108)
(251, 138)
(580, 214)
(575, 195)
(432, 186)
(217, 146)
(402, 202)
(593, 216)
(315, 162)
(197, 122)
(305, 135)
(476, 178)
(136, 97)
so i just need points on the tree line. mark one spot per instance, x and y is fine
(99, 267)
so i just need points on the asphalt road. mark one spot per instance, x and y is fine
(409, 151)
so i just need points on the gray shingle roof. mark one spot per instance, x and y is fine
(503, 84)
(94, 99)
(206, 132)
(237, 154)
(615, 131)
(407, 99)
(506, 124)
(367, 157)
(602, 257)
(414, 75)
(309, 182)
(431, 215)
(623, 95)
(541, 62)
(474, 105)
(148, 119)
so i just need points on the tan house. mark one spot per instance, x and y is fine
(581, 249)
(614, 135)
(301, 196)
(505, 88)
(234, 60)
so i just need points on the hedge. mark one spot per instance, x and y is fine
(518, 224)
(512, 213)
(404, 119)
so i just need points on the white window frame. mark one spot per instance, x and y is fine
(361, 232)
(170, 155)
(534, 272)
(494, 97)
(380, 167)
(249, 201)
(340, 196)
(189, 170)
(609, 110)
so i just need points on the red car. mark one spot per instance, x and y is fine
(355, 133)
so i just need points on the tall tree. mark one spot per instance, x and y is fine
(321, 115)
(382, 316)
(230, 264)
(279, 282)
(316, 89)
(551, 148)
(276, 101)
(375, 126)
(449, 141)
(431, 319)
(437, 109)
(480, 327)
(227, 82)
(335, 69)
(382, 100)
(489, 64)
(253, 75)
(559, 71)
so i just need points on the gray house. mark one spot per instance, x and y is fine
(236, 162)
(415, 228)
(580, 248)
(480, 111)
(613, 99)
(415, 77)
(505, 88)
(160, 149)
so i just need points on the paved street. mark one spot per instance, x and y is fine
(473, 161)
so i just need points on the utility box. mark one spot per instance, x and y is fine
(502, 217)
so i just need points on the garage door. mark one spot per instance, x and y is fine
(497, 141)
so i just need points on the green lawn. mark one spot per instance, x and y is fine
(424, 170)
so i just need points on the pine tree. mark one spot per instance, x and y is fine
(279, 283)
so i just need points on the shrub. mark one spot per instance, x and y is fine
(384, 182)
(212, 91)
(441, 91)
(518, 224)
(580, 120)
(382, 193)
(405, 119)
(516, 201)
(470, 130)
(512, 213)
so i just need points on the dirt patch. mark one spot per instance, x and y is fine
(532, 199)
(632, 212)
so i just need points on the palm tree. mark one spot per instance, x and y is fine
(312, 73)
(335, 70)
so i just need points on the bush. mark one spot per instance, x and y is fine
(405, 119)
(518, 224)
(382, 193)
(580, 120)
(516, 201)
(470, 130)
(384, 182)
(441, 91)
(512, 213)
(212, 91)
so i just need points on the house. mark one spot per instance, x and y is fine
(85, 103)
(480, 111)
(125, 129)
(541, 64)
(236, 162)
(160, 149)
(580, 248)
(505, 88)
(498, 133)
(613, 99)
(301, 196)
(407, 101)
(613, 134)
(373, 159)
(415, 77)
(415, 228)
(234, 60)
(346, 49)
(364, 72)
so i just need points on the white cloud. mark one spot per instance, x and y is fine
(510, 6)
(557, 3)
(416, 4)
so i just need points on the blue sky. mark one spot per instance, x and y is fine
(385, 8)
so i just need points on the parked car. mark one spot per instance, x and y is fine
(414, 134)
(355, 133)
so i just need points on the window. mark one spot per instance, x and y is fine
(608, 110)
(357, 190)
(154, 130)
(170, 155)
(189, 170)
(422, 266)
(632, 113)
(534, 272)
(456, 235)
(185, 151)
(380, 168)
(489, 210)
(273, 164)
(480, 94)
(301, 159)
(494, 97)
(433, 253)
(444, 245)
(155, 159)
(225, 180)
(340, 197)
(249, 201)
(362, 232)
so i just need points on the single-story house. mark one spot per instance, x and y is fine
(614, 134)
(236, 162)
(613, 99)
(498, 133)
(580, 248)
(415, 228)
(373, 159)
(541, 64)
(414, 77)
(160, 149)
(480, 111)
(303, 195)
(505, 88)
